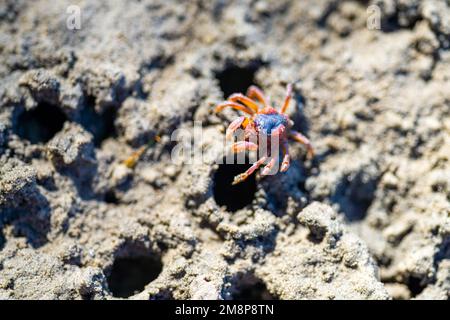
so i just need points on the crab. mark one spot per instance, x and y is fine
(262, 127)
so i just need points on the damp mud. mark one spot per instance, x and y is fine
(367, 218)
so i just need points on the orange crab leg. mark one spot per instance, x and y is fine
(286, 158)
(234, 105)
(268, 167)
(254, 92)
(244, 146)
(297, 136)
(239, 97)
(287, 99)
(241, 177)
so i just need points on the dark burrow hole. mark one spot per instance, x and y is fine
(40, 124)
(2, 239)
(415, 285)
(111, 197)
(101, 125)
(233, 197)
(327, 12)
(252, 288)
(354, 195)
(392, 23)
(235, 79)
(163, 294)
(130, 275)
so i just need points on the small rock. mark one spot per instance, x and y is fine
(398, 291)
(72, 150)
(43, 85)
(320, 219)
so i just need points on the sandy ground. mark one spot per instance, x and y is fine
(367, 218)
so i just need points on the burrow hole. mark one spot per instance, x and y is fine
(132, 272)
(236, 79)
(111, 197)
(354, 195)
(415, 285)
(2, 240)
(233, 197)
(251, 287)
(101, 125)
(40, 124)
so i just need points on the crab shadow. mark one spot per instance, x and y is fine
(283, 190)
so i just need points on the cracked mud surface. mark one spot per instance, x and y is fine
(367, 218)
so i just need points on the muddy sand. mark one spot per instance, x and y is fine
(367, 218)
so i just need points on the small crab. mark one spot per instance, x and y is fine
(262, 125)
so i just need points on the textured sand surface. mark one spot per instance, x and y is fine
(367, 218)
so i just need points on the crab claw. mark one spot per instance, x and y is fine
(285, 164)
(268, 168)
(278, 131)
(236, 124)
